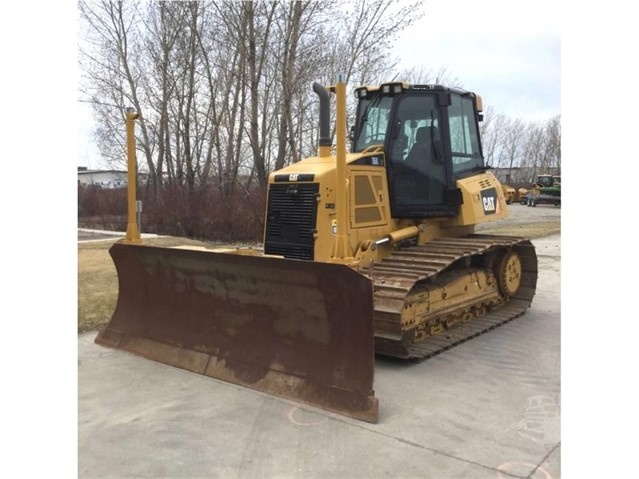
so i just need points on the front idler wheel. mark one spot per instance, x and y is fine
(508, 272)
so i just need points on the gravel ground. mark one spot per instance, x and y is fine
(542, 220)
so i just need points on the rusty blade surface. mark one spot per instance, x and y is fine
(295, 329)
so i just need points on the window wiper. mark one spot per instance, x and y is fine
(435, 141)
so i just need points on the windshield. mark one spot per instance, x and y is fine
(373, 115)
(545, 181)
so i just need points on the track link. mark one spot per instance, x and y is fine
(395, 276)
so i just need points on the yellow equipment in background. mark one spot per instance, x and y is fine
(366, 252)
(512, 195)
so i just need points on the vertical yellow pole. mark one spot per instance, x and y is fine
(342, 251)
(132, 231)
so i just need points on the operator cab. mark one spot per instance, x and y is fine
(546, 181)
(430, 135)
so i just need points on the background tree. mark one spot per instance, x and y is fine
(491, 131)
(511, 144)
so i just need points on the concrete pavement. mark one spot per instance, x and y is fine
(488, 408)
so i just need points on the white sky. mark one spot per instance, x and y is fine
(509, 52)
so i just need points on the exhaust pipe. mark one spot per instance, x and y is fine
(325, 140)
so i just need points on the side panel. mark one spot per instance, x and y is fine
(483, 200)
(290, 328)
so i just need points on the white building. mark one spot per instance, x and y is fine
(107, 179)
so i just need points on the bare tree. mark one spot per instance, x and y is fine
(553, 142)
(511, 151)
(111, 68)
(257, 36)
(492, 135)
(164, 25)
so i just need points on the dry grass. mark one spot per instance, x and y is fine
(97, 287)
(526, 230)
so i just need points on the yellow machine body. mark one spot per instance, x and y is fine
(369, 212)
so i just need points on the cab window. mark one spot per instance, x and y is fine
(464, 136)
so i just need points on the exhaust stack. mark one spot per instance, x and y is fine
(325, 140)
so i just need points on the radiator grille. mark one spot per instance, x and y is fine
(290, 220)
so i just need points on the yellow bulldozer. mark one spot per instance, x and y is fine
(366, 252)
(512, 195)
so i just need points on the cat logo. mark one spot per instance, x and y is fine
(489, 201)
(292, 177)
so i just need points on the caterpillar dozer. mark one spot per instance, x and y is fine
(367, 252)
(512, 195)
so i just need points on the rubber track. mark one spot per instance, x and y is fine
(394, 277)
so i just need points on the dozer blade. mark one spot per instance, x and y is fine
(295, 329)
